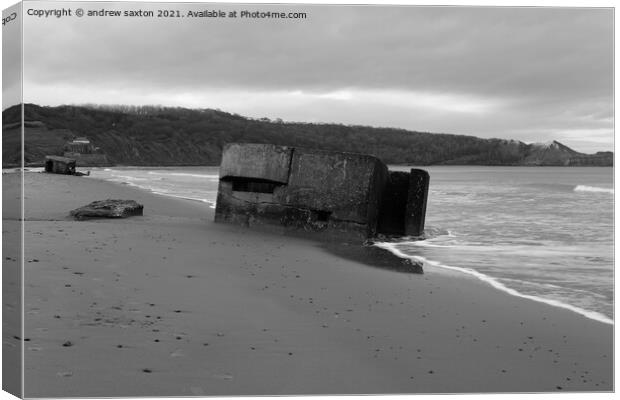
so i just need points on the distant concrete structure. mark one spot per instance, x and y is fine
(340, 195)
(85, 153)
(59, 165)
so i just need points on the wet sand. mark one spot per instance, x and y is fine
(172, 304)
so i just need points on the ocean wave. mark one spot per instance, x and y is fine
(496, 284)
(202, 176)
(211, 203)
(552, 287)
(428, 234)
(130, 178)
(535, 249)
(585, 188)
(157, 183)
(165, 192)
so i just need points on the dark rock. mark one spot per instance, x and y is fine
(108, 209)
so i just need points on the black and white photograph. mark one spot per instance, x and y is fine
(305, 199)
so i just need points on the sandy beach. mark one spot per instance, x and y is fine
(172, 304)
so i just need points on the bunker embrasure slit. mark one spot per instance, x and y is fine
(322, 215)
(252, 185)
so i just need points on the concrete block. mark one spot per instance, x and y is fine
(416, 202)
(108, 209)
(59, 165)
(341, 196)
(394, 204)
(338, 183)
(256, 161)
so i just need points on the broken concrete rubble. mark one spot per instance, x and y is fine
(108, 209)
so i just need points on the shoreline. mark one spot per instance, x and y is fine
(244, 312)
(593, 315)
(380, 261)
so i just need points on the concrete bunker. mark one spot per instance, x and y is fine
(342, 195)
(60, 165)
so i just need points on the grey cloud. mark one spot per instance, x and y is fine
(551, 66)
(485, 50)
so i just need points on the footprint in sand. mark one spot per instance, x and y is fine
(225, 377)
(177, 353)
(197, 391)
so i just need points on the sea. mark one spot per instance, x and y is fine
(542, 233)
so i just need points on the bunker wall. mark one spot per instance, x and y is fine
(256, 161)
(337, 183)
(340, 195)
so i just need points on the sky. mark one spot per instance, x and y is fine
(531, 74)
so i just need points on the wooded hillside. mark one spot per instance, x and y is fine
(148, 135)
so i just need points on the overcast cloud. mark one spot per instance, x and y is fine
(533, 74)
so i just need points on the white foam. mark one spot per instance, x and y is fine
(202, 176)
(498, 285)
(130, 178)
(584, 188)
(513, 249)
(152, 185)
(553, 287)
(211, 203)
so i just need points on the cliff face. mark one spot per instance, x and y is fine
(176, 136)
(555, 153)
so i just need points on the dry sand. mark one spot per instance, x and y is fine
(172, 304)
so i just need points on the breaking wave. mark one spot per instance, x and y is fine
(201, 176)
(584, 188)
(496, 284)
(211, 203)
